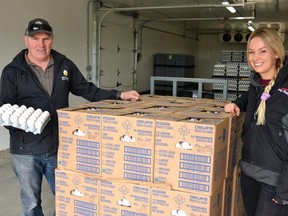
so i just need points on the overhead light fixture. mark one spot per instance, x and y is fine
(231, 9)
(251, 26)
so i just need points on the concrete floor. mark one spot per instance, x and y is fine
(10, 204)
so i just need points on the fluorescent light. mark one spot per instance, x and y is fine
(251, 26)
(231, 9)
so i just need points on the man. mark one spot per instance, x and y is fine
(40, 77)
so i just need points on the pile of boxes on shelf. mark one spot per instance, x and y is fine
(173, 65)
(159, 156)
(234, 67)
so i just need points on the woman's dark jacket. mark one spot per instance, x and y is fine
(266, 146)
(19, 85)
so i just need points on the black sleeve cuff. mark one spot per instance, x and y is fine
(119, 95)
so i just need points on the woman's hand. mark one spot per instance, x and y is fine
(232, 108)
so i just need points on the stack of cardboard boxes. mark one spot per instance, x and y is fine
(159, 156)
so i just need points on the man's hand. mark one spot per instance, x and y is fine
(130, 95)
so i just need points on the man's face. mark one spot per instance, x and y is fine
(39, 47)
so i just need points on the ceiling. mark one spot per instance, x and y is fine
(203, 16)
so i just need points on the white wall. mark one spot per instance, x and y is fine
(117, 31)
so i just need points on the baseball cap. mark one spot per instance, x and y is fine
(38, 25)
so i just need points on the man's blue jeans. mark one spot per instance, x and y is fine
(29, 170)
(257, 198)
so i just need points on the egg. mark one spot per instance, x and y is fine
(5, 116)
(30, 122)
(33, 117)
(38, 111)
(2, 110)
(15, 107)
(23, 107)
(22, 120)
(38, 125)
(14, 118)
(46, 114)
(9, 111)
(30, 110)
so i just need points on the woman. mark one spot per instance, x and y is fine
(264, 163)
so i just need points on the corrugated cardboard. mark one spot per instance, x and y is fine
(237, 202)
(198, 167)
(80, 136)
(76, 194)
(215, 110)
(123, 198)
(169, 202)
(227, 195)
(128, 146)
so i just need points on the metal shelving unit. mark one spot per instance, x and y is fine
(200, 82)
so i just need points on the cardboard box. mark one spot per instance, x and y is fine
(153, 97)
(76, 194)
(177, 102)
(191, 154)
(157, 108)
(80, 139)
(239, 150)
(123, 198)
(237, 202)
(227, 195)
(112, 104)
(234, 146)
(170, 202)
(128, 146)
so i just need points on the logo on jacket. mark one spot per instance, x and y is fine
(65, 77)
(283, 90)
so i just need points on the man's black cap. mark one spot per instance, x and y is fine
(38, 25)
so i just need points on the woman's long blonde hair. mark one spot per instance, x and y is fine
(272, 39)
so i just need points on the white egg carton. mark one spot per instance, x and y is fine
(27, 119)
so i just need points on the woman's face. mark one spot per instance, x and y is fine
(261, 58)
